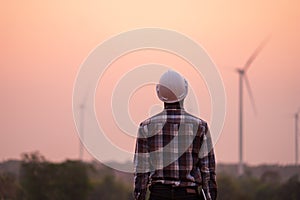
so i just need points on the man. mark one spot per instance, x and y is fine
(174, 155)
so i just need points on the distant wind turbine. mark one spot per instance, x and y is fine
(243, 77)
(296, 136)
(81, 130)
(82, 108)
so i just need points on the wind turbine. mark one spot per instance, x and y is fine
(82, 108)
(243, 77)
(81, 129)
(296, 136)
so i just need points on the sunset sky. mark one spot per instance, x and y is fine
(43, 44)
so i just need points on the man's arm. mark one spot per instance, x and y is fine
(141, 165)
(207, 167)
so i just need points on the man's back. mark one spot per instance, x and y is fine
(173, 137)
(174, 152)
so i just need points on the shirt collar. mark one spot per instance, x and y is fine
(173, 106)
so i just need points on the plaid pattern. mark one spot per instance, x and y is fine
(174, 148)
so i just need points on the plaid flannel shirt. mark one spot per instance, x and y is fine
(174, 147)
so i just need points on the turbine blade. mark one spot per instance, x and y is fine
(85, 97)
(83, 104)
(250, 94)
(256, 52)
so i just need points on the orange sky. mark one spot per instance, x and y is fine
(44, 43)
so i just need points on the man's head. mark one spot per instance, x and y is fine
(172, 87)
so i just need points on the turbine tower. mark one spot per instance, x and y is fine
(81, 129)
(82, 108)
(243, 77)
(296, 137)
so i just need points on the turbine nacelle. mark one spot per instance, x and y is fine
(240, 71)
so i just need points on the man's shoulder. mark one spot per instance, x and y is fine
(145, 122)
(185, 116)
(192, 118)
(156, 118)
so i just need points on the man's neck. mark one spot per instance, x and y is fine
(176, 105)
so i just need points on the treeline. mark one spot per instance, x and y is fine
(71, 180)
(268, 187)
(39, 179)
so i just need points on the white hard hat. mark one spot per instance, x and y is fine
(172, 87)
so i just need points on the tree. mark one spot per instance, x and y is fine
(110, 189)
(8, 186)
(291, 189)
(272, 177)
(43, 180)
(228, 188)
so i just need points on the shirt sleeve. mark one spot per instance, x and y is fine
(141, 165)
(207, 167)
